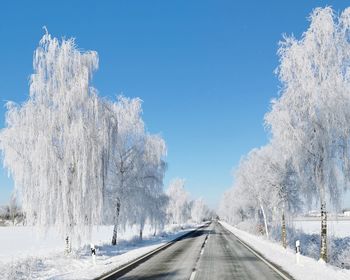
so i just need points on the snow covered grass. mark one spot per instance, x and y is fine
(307, 269)
(26, 255)
(308, 233)
(338, 247)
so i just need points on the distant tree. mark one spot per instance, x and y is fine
(136, 169)
(151, 174)
(13, 208)
(251, 174)
(178, 206)
(199, 211)
(122, 168)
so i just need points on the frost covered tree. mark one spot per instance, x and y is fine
(52, 144)
(122, 172)
(308, 154)
(236, 206)
(135, 171)
(265, 189)
(312, 116)
(78, 160)
(283, 182)
(149, 189)
(178, 206)
(199, 210)
(151, 174)
(251, 174)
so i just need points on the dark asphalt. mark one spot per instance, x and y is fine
(224, 257)
(209, 253)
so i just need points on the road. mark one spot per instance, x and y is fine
(209, 253)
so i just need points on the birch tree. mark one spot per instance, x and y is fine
(312, 114)
(251, 174)
(178, 207)
(52, 144)
(136, 169)
(199, 210)
(78, 160)
(151, 171)
(128, 146)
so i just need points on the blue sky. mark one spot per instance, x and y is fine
(204, 70)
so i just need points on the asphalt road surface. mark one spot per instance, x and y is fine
(208, 253)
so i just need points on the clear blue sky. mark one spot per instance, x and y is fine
(203, 68)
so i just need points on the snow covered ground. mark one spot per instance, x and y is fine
(25, 254)
(339, 228)
(307, 269)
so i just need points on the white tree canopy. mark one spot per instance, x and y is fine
(311, 118)
(78, 160)
(52, 145)
(178, 207)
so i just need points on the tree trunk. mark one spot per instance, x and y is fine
(323, 251)
(116, 221)
(265, 221)
(140, 233)
(115, 235)
(284, 233)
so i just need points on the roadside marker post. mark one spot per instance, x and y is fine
(93, 253)
(297, 251)
(68, 248)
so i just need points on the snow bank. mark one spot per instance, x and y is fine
(307, 269)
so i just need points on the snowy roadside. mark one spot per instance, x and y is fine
(54, 265)
(307, 269)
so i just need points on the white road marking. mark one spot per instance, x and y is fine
(193, 274)
(261, 258)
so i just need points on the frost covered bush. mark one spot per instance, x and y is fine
(343, 259)
(339, 247)
(250, 226)
(22, 269)
(339, 251)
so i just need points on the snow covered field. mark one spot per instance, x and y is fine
(25, 254)
(307, 269)
(339, 228)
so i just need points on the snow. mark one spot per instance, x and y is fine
(307, 269)
(25, 254)
(339, 228)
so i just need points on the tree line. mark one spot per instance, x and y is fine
(306, 161)
(78, 160)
